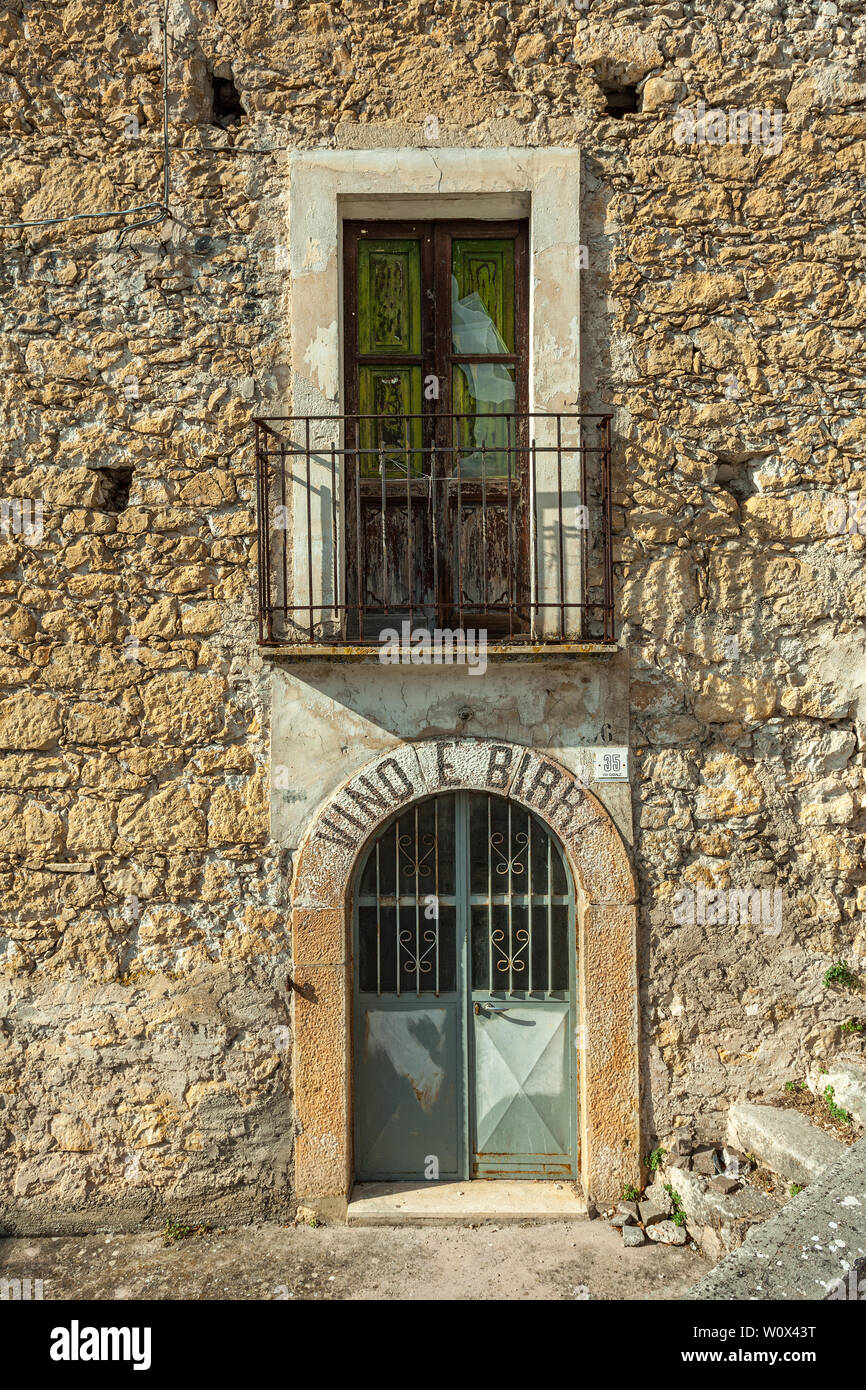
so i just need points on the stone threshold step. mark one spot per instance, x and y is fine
(783, 1140)
(479, 1200)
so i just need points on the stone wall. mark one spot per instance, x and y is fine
(143, 1009)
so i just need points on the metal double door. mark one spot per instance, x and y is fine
(464, 999)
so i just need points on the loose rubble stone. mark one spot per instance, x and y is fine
(633, 1236)
(650, 1212)
(723, 1184)
(702, 1162)
(718, 1221)
(666, 1233)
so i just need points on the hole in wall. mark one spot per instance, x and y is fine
(116, 484)
(226, 109)
(736, 476)
(621, 98)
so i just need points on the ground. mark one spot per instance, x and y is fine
(570, 1260)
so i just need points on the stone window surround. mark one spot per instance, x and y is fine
(325, 867)
(328, 186)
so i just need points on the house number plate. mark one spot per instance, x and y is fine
(610, 764)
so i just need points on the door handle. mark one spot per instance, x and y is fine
(492, 1008)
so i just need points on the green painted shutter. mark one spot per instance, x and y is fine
(389, 325)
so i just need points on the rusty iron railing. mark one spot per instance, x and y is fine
(501, 522)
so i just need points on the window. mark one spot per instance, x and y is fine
(476, 492)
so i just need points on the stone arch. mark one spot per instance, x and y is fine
(606, 931)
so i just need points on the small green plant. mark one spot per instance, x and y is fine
(836, 1111)
(853, 1025)
(795, 1189)
(795, 1085)
(840, 973)
(678, 1216)
(630, 1194)
(654, 1160)
(176, 1230)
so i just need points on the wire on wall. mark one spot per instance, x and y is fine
(162, 208)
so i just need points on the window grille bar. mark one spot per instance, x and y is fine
(490, 893)
(436, 882)
(509, 537)
(529, 896)
(561, 532)
(378, 921)
(510, 913)
(459, 461)
(417, 906)
(284, 517)
(397, 887)
(410, 527)
(549, 917)
(360, 571)
(385, 584)
(335, 535)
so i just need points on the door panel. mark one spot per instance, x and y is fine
(389, 296)
(409, 1089)
(390, 443)
(522, 1088)
(464, 996)
(395, 560)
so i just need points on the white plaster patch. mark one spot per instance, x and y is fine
(313, 254)
(321, 357)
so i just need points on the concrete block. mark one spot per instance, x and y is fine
(783, 1140)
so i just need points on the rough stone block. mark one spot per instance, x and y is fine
(848, 1079)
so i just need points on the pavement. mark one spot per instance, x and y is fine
(517, 1261)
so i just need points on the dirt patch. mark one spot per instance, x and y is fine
(572, 1260)
(816, 1110)
(770, 1183)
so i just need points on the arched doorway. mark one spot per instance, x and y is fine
(464, 995)
(325, 876)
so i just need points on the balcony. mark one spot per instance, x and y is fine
(496, 523)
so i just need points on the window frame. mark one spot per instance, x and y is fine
(437, 359)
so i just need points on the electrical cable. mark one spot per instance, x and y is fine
(163, 208)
